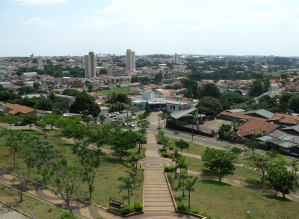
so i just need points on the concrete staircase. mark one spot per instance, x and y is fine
(157, 197)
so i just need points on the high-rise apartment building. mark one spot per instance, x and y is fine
(177, 59)
(130, 60)
(90, 65)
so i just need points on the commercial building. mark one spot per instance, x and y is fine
(90, 65)
(130, 60)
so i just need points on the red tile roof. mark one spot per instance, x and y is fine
(284, 118)
(16, 108)
(254, 126)
(237, 115)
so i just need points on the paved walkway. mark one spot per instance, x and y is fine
(79, 208)
(157, 199)
(8, 213)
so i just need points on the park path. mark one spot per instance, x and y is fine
(157, 197)
(157, 200)
(80, 208)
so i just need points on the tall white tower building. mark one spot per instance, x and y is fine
(177, 59)
(130, 60)
(90, 65)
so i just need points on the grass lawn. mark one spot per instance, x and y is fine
(30, 205)
(106, 181)
(118, 90)
(232, 202)
(240, 173)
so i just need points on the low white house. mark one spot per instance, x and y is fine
(157, 101)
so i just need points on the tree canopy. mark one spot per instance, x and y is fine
(85, 105)
(219, 162)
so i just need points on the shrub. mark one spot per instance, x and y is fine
(138, 206)
(182, 207)
(67, 215)
(127, 209)
(170, 147)
(169, 168)
(237, 150)
(206, 214)
(162, 150)
(195, 211)
(166, 154)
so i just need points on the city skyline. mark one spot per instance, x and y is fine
(72, 27)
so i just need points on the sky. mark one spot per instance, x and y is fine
(203, 27)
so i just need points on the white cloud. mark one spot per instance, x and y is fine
(40, 2)
(171, 16)
(37, 21)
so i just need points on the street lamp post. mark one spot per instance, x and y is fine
(192, 129)
(140, 172)
(159, 117)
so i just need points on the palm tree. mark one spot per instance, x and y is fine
(165, 142)
(128, 184)
(183, 177)
(175, 158)
(182, 163)
(133, 160)
(189, 186)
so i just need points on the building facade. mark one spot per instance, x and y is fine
(130, 60)
(90, 65)
(177, 59)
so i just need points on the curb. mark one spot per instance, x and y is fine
(35, 197)
(17, 210)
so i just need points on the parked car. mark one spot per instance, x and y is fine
(20, 124)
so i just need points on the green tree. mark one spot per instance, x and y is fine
(175, 157)
(189, 185)
(10, 120)
(36, 85)
(294, 103)
(209, 105)
(71, 92)
(252, 145)
(128, 183)
(66, 179)
(41, 125)
(182, 145)
(143, 124)
(50, 119)
(294, 166)
(13, 142)
(85, 105)
(74, 130)
(158, 77)
(19, 145)
(256, 89)
(282, 180)
(90, 161)
(211, 90)
(103, 71)
(260, 162)
(134, 79)
(45, 155)
(236, 150)
(219, 162)
(125, 140)
(29, 119)
(44, 104)
(183, 177)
